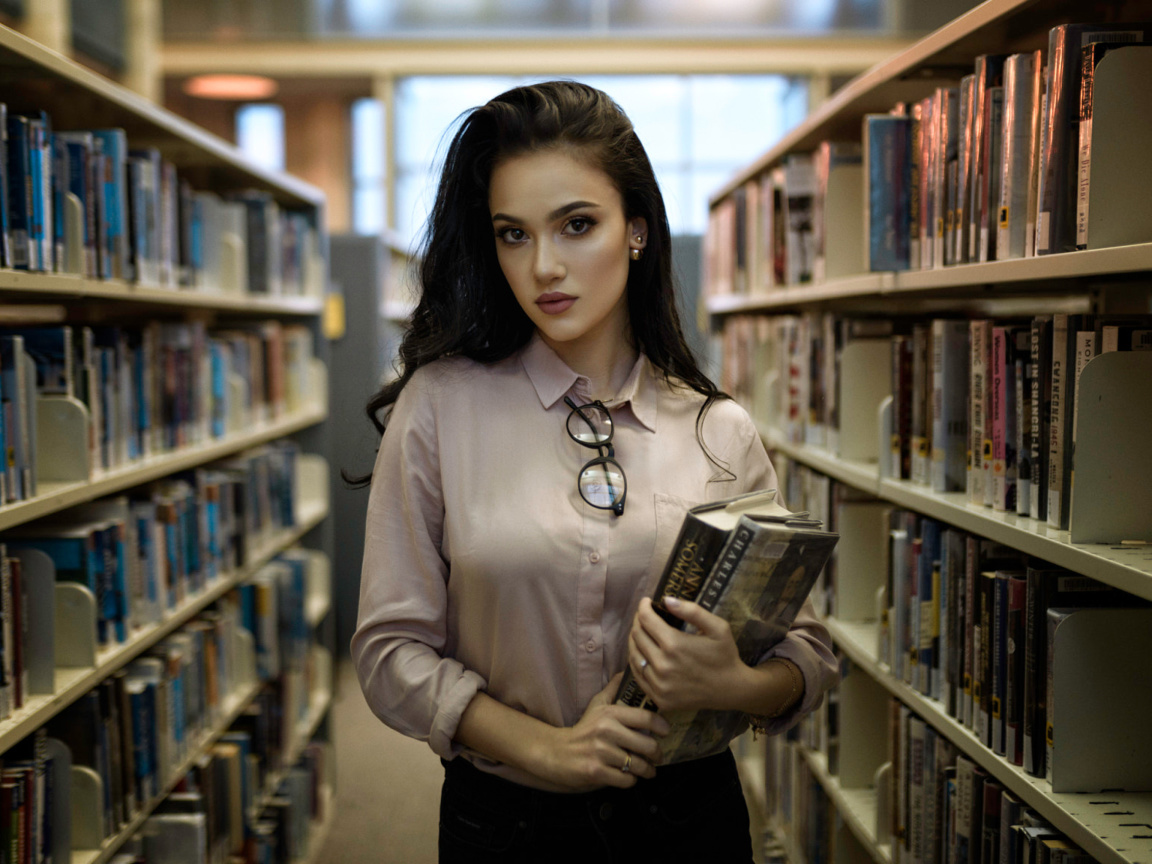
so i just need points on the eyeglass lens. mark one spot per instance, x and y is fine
(591, 425)
(601, 484)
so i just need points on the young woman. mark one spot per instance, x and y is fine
(511, 543)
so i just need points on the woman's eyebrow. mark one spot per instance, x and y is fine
(553, 216)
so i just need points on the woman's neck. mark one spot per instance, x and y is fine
(605, 359)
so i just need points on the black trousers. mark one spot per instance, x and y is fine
(690, 812)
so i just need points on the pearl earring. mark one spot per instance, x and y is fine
(636, 254)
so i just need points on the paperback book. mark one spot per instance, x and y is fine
(751, 562)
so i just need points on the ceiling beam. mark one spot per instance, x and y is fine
(577, 56)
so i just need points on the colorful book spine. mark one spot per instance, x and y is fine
(887, 165)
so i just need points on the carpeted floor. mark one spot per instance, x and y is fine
(387, 787)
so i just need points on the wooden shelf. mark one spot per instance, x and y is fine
(1126, 567)
(38, 78)
(939, 59)
(1111, 826)
(233, 708)
(64, 286)
(59, 496)
(965, 279)
(71, 684)
(856, 806)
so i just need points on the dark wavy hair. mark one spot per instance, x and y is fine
(466, 306)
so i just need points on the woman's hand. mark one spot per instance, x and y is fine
(591, 754)
(681, 670)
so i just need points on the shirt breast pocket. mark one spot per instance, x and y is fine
(670, 512)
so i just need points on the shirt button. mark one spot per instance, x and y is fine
(590, 646)
(594, 557)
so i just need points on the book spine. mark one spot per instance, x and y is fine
(928, 136)
(915, 181)
(901, 407)
(1014, 690)
(977, 331)
(982, 689)
(1064, 329)
(1023, 438)
(964, 164)
(1088, 59)
(887, 167)
(1018, 147)
(999, 661)
(990, 191)
(971, 626)
(916, 791)
(946, 118)
(999, 418)
(1041, 345)
(696, 550)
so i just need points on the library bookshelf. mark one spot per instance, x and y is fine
(38, 80)
(1110, 826)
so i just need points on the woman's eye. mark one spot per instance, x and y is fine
(579, 225)
(510, 235)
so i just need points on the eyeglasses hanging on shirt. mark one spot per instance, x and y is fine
(601, 481)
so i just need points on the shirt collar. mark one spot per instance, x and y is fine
(552, 378)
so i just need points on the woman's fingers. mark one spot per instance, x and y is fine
(643, 653)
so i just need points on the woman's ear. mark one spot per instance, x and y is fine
(637, 233)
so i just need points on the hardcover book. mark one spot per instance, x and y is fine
(751, 562)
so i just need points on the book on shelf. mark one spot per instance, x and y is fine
(1019, 162)
(887, 162)
(753, 563)
(1056, 222)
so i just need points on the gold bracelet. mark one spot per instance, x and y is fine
(759, 722)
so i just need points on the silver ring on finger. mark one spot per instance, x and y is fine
(643, 664)
(627, 766)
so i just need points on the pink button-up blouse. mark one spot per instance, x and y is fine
(485, 570)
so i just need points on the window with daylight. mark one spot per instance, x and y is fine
(260, 134)
(698, 131)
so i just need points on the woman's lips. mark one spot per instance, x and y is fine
(555, 303)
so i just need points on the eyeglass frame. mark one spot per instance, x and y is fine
(617, 507)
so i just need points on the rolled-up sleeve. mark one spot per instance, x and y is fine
(808, 643)
(402, 623)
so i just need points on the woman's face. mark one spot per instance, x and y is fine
(564, 244)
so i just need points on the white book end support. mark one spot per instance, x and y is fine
(880, 609)
(87, 808)
(321, 669)
(314, 271)
(311, 482)
(61, 758)
(884, 431)
(62, 454)
(861, 558)
(882, 783)
(75, 626)
(1112, 480)
(233, 264)
(74, 251)
(865, 381)
(1101, 669)
(844, 223)
(1120, 178)
(237, 404)
(39, 574)
(318, 383)
(319, 587)
(863, 729)
(244, 652)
